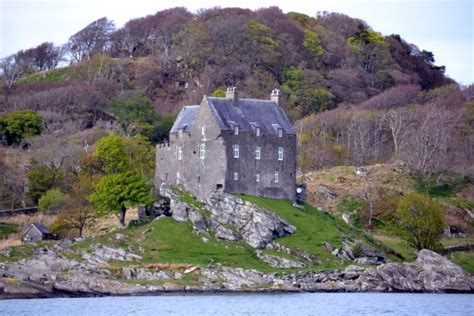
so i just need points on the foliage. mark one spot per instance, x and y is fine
(49, 76)
(117, 154)
(52, 200)
(312, 44)
(114, 193)
(218, 93)
(78, 212)
(439, 185)
(422, 220)
(42, 178)
(18, 125)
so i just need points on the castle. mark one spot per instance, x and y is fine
(240, 146)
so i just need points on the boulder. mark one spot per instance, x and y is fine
(198, 220)
(224, 233)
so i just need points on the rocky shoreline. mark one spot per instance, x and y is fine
(50, 274)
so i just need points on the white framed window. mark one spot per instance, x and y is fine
(257, 177)
(180, 153)
(180, 132)
(202, 151)
(257, 131)
(236, 129)
(275, 177)
(280, 153)
(203, 130)
(257, 152)
(236, 151)
(177, 175)
(280, 132)
(236, 176)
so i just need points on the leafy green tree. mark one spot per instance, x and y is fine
(111, 152)
(422, 221)
(315, 100)
(42, 178)
(218, 93)
(137, 115)
(18, 125)
(52, 200)
(117, 154)
(114, 193)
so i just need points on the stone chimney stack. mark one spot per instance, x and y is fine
(275, 96)
(232, 94)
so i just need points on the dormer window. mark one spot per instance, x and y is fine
(236, 129)
(180, 132)
(257, 131)
(280, 132)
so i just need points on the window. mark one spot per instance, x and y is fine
(180, 153)
(236, 129)
(275, 177)
(257, 177)
(203, 130)
(202, 151)
(236, 176)
(257, 152)
(280, 132)
(257, 131)
(280, 153)
(177, 175)
(236, 151)
(180, 132)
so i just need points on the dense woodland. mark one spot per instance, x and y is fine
(355, 97)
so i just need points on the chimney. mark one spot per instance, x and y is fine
(232, 94)
(275, 96)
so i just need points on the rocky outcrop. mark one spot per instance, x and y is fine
(49, 274)
(231, 218)
(256, 226)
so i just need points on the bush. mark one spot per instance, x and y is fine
(42, 178)
(18, 125)
(421, 220)
(52, 201)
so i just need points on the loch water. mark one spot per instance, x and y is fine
(249, 304)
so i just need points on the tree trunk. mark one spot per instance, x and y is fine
(81, 228)
(123, 210)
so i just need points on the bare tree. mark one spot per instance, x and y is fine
(11, 72)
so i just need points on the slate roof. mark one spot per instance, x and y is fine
(43, 229)
(249, 114)
(185, 119)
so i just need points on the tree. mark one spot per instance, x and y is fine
(78, 212)
(18, 125)
(90, 40)
(10, 72)
(115, 193)
(42, 178)
(42, 57)
(422, 221)
(117, 154)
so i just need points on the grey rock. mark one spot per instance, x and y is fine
(279, 262)
(103, 254)
(326, 192)
(226, 234)
(198, 220)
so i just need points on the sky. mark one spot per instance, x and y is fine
(444, 27)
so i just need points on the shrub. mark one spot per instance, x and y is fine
(421, 220)
(52, 201)
(42, 178)
(18, 125)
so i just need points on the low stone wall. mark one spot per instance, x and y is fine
(452, 249)
(17, 211)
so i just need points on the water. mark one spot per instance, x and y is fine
(249, 304)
